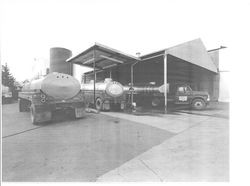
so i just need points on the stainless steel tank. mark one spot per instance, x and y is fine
(111, 88)
(56, 85)
(58, 57)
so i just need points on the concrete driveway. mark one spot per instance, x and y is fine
(112, 146)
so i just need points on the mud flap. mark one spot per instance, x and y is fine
(79, 112)
(39, 117)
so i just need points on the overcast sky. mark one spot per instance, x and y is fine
(30, 27)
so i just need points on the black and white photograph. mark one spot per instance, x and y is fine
(117, 90)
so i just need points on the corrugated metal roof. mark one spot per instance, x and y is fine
(192, 51)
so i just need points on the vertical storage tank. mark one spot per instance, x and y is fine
(58, 57)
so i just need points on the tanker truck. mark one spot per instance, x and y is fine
(52, 92)
(109, 94)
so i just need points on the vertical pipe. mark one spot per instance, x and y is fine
(94, 74)
(165, 81)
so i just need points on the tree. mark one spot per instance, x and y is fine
(7, 78)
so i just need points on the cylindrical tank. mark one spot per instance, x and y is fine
(112, 88)
(58, 57)
(56, 85)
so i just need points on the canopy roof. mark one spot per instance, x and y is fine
(104, 57)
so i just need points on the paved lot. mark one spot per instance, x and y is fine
(111, 146)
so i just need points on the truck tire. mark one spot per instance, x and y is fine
(23, 105)
(198, 104)
(98, 104)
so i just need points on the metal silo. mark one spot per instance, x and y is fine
(58, 57)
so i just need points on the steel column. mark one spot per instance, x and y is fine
(94, 74)
(132, 83)
(165, 80)
(132, 80)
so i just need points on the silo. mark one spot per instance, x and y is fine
(58, 57)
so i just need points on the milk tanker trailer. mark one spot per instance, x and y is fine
(52, 92)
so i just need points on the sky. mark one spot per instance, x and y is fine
(29, 28)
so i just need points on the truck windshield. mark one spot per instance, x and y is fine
(184, 89)
(181, 89)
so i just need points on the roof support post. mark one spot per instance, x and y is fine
(132, 81)
(165, 80)
(94, 55)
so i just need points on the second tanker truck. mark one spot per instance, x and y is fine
(54, 91)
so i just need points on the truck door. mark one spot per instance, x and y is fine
(183, 95)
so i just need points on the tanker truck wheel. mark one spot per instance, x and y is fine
(198, 104)
(98, 104)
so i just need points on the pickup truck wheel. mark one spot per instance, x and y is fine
(98, 104)
(198, 104)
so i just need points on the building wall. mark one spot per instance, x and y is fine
(224, 86)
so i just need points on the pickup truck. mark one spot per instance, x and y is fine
(179, 94)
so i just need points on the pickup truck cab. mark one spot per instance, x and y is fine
(183, 94)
